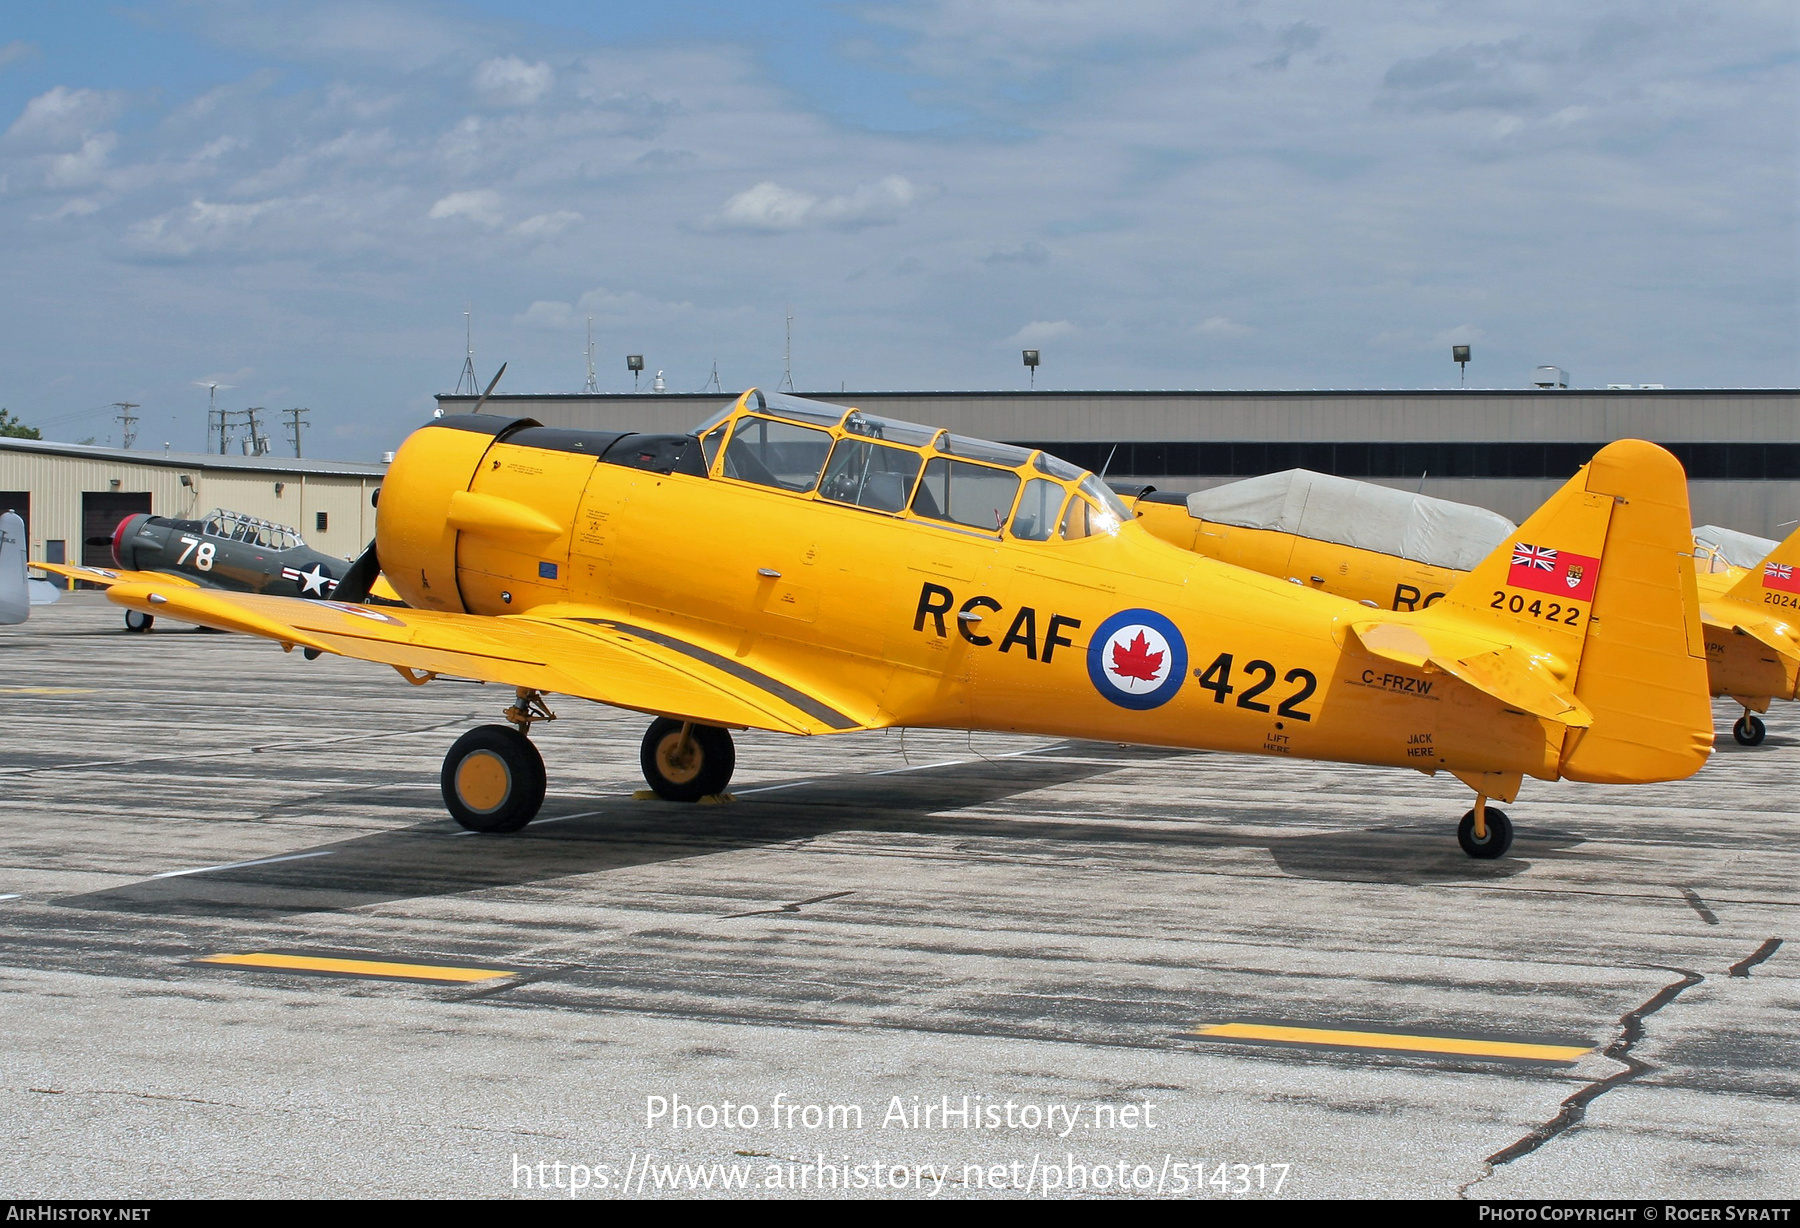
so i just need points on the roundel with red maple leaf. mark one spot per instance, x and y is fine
(1137, 659)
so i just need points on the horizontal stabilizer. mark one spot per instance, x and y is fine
(1510, 675)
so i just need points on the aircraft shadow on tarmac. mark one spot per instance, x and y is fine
(615, 833)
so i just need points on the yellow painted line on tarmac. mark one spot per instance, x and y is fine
(1402, 1042)
(380, 969)
(48, 690)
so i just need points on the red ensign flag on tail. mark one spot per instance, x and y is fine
(1557, 572)
(1781, 576)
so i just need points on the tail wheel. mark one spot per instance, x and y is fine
(684, 762)
(1499, 835)
(137, 620)
(493, 779)
(1749, 730)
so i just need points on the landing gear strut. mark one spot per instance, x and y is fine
(1749, 730)
(684, 762)
(493, 777)
(1485, 831)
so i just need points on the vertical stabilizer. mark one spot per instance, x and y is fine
(15, 597)
(1775, 578)
(1599, 584)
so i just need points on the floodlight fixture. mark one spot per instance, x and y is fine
(1459, 354)
(1031, 362)
(634, 363)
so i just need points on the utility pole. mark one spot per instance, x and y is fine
(259, 443)
(127, 421)
(296, 423)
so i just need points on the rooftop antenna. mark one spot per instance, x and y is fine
(787, 356)
(593, 383)
(468, 371)
(712, 384)
(127, 421)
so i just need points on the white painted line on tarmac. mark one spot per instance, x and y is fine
(792, 784)
(239, 865)
(13, 896)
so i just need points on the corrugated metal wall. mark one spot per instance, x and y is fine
(56, 483)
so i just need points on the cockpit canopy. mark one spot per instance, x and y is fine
(237, 527)
(842, 455)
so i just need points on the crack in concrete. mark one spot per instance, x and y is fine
(1743, 966)
(1574, 1108)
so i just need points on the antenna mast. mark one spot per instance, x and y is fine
(468, 371)
(593, 383)
(127, 421)
(787, 356)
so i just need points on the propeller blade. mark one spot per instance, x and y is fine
(360, 578)
(490, 389)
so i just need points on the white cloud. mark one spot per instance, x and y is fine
(62, 116)
(199, 226)
(481, 206)
(770, 207)
(15, 51)
(543, 225)
(511, 82)
(608, 307)
(1462, 334)
(74, 170)
(1222, 326)
(1039, 331)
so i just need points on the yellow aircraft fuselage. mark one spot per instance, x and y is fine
(1107, 633)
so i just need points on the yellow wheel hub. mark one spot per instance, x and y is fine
(483, 782)
(677, 764)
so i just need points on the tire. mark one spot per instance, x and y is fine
(1749, 730)
(493, 779)
(711, 759)
(1499, 835)
(138, 621)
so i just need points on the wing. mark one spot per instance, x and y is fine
(106, 577)
(590, 656)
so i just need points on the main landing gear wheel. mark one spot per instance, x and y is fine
(1499, 835)
(493, 779)
(684, 762)
(137, 620)
(1749, 730)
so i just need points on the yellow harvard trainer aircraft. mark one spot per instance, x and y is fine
(1387, 548)
(805, 568)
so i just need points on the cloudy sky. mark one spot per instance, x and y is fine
(300, 200)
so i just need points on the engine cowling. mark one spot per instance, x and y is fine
(415, 533)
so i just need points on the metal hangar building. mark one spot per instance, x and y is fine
(1504, 449)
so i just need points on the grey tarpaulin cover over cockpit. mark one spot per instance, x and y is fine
(1358, 514)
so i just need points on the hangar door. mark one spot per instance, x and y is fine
(101, 512)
